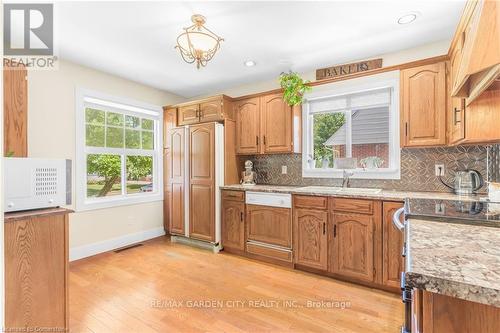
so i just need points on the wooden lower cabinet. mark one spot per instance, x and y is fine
(355, 239)
(270, 225)
(393, 240)
(36, 270)
(352, 245)
(310, 238)
(436, 313)
(233, 225)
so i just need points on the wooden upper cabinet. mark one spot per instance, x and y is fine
(267, 125)
(189, 114)
(215, 108)
(247, 126)
(456, 109)
(310, 238)
(480, 58)
(15, 103)
(211, 111)
(276, 124)
(392, 247)
(176, 180)
(202, 182)
(423, 94)
(233, 224)
(352, 245)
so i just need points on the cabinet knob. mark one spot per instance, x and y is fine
(10, 204)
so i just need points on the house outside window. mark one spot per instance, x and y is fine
(118, 151)
(353, 124)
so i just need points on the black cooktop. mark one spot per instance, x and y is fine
(455, 211)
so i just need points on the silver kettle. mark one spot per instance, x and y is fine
(466, 182)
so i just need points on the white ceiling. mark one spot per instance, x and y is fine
(136, 40)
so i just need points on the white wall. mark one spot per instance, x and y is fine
(51, 134)
(390, 59)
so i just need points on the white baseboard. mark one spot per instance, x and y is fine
(84, 251)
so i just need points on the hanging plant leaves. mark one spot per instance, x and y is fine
(294, 87)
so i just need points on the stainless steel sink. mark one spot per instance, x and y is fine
(355, 190)
(340, 190)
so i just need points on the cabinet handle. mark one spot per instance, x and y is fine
(257, 140)
(406, 129)
(324, 228)
(334, 230)
(241, 216)
(264, 140)
(455, 119)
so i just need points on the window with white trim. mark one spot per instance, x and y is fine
(353, 125)
(118, 151)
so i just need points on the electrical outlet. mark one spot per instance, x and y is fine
(439, 209)
(284, 169)
(439, 169)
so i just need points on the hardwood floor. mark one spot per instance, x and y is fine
(169, 287)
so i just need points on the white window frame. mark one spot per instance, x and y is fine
(85, 97)
(347, 87)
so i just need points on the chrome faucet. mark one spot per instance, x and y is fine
(345, 180)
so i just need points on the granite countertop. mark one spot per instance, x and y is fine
(324, 190)
(457, 260)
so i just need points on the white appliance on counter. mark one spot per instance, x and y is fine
(33, 183)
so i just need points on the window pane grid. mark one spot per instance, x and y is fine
(119, 153)
(362, 133)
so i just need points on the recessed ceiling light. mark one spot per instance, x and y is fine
(249, 63)
(408, 18)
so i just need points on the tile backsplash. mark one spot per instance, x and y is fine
(417, 168)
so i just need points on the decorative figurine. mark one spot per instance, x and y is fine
(248, 176)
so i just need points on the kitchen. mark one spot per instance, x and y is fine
(267, 189)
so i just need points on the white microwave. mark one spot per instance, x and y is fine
(33, 183)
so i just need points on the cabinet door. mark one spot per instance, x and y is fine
(269, 225)
(424, 105)
(247, 126)
(456, 113)
(392, 247)
(211, 111)
(310, 246)
(36, 273)
(189, 114)
(176, 181)
(353, 244)
(202, 182)
(276, 124)
(233, 225)
(169, 122)
(15, 103)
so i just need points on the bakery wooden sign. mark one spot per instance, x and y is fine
(341, 70)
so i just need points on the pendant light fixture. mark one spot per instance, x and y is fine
(197, 43)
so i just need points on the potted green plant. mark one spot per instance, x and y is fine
(294, 87)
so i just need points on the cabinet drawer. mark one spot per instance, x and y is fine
(233, 195)
(352, 205)
(270, 252)
(308, 201)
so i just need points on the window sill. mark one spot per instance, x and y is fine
(102, 203)
(358, 173)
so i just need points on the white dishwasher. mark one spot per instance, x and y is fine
(269, 225)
